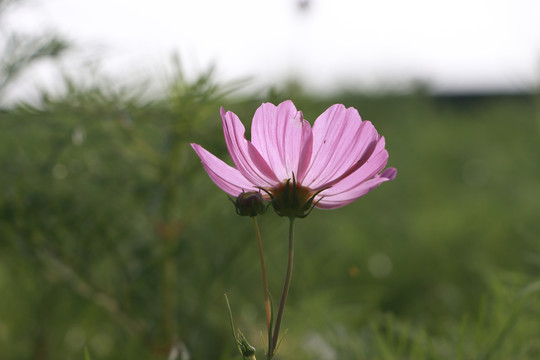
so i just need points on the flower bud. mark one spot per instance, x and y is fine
(247, 351)
(249, 204)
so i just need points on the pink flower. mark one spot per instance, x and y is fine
(330, 165)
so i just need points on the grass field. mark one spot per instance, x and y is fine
(113, 239)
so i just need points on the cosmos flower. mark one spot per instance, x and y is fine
(296, 166)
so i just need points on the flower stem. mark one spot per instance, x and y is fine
(286, 285)
(265, 285)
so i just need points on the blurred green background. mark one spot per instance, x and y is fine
(113, 239)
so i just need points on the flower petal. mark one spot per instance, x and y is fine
(224, 176)
(244, 154)
(305, 156)
(360, 182)
(336, 201)
(389, 173)
(341, 140)
(364, 172)
(280, 134)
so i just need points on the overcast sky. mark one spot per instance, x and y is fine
(458, 45)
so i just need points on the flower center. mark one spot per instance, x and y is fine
(291, 199)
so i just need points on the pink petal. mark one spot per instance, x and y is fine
(283, 138)
(389, 173)
(340, 141)
(305, 156)
(224, 176)
(244, 155)
(367, 170)
(359, 182)
(336, 201)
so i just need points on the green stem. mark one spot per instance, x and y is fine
(286, 285)
(267, 305)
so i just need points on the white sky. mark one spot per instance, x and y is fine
(457, 45)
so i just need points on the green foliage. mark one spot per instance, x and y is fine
(114, 243)
(18, 51)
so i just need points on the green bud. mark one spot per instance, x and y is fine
(249, 204)
(247, 351)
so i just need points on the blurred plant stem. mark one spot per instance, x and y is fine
(267, 304)
(169, 292)
(193, 101)
(57, 269)
(285, 292)
(171, 173)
